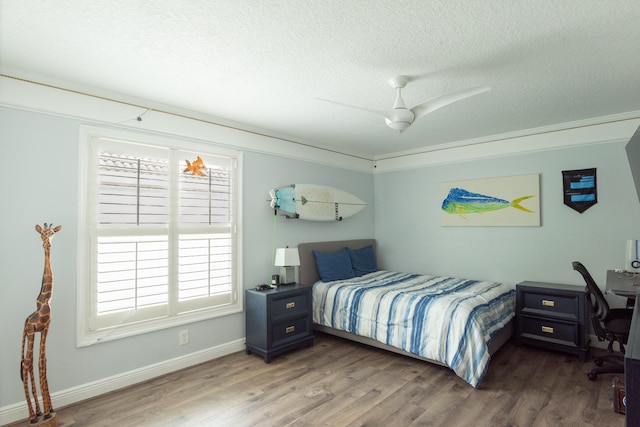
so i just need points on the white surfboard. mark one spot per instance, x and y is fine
(315, 202)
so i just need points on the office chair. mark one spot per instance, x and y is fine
(611, 324)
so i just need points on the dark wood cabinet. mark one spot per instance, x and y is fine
(553, 316)
(278, 320)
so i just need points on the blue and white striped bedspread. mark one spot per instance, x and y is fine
(444, 319)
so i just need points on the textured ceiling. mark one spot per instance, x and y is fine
(265, 63)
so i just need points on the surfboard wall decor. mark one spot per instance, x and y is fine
(315, 202)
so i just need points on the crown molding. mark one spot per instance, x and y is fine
(600, 130)
(120, 111)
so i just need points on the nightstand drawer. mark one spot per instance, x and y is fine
(291, 329)
(290, 305)
(565, 333)
(547, 304)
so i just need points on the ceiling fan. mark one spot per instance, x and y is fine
(400, 117)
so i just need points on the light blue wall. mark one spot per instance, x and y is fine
(265, 172)
(38, 183)
(410, 237)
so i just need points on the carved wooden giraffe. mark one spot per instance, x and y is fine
(39, 321)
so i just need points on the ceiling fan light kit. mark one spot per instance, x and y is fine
(400, 117)
(397, 124)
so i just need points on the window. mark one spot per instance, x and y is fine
(161, 237)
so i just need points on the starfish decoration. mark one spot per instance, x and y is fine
(196, 168)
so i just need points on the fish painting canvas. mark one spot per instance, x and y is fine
(504, 201)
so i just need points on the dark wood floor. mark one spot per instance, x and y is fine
(339, 383)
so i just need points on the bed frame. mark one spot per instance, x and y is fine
(308, 273)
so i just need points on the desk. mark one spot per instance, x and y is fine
(624, 284)
(632, 368)
(627, 284)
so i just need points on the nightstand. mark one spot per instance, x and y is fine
(278, 320)
(553, 316)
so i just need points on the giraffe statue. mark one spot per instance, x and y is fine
(39, 321)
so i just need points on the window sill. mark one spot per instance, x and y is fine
(88, 338)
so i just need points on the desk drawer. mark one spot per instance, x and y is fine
(291, 329)
(550, 330)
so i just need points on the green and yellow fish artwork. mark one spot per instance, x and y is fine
(461, 202)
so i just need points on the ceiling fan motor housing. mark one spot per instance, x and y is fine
(399, 118)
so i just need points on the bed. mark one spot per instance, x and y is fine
(474, 318)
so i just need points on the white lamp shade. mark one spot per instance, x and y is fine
(287, 257)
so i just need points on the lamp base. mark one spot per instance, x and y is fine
(287, 276)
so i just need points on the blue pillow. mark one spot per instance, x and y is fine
(363, 260)
(334, 265)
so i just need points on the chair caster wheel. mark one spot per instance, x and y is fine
(592, 376)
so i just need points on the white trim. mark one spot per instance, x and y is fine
(595, 343)
(603, 130)
(118, 111)
(85, 337)
(19, 411)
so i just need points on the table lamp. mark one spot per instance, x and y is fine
(287, 258)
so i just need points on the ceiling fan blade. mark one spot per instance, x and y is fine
(443, 100)
(378, 112)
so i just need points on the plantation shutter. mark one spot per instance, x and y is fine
(206, 248)
(163, 239)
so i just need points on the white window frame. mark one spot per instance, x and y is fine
(87, 333)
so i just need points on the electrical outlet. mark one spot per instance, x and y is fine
(184, 337)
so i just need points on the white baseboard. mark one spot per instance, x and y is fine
(19, 411)
(601, 344)
(597, 344)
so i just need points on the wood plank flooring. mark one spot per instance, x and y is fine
(340, 383)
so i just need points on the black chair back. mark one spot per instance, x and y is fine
(599, 306)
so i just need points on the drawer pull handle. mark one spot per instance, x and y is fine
(548, 303)
(290, 329)
(291, 304)
(547, 329)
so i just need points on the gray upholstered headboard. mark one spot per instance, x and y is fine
(308, 271)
